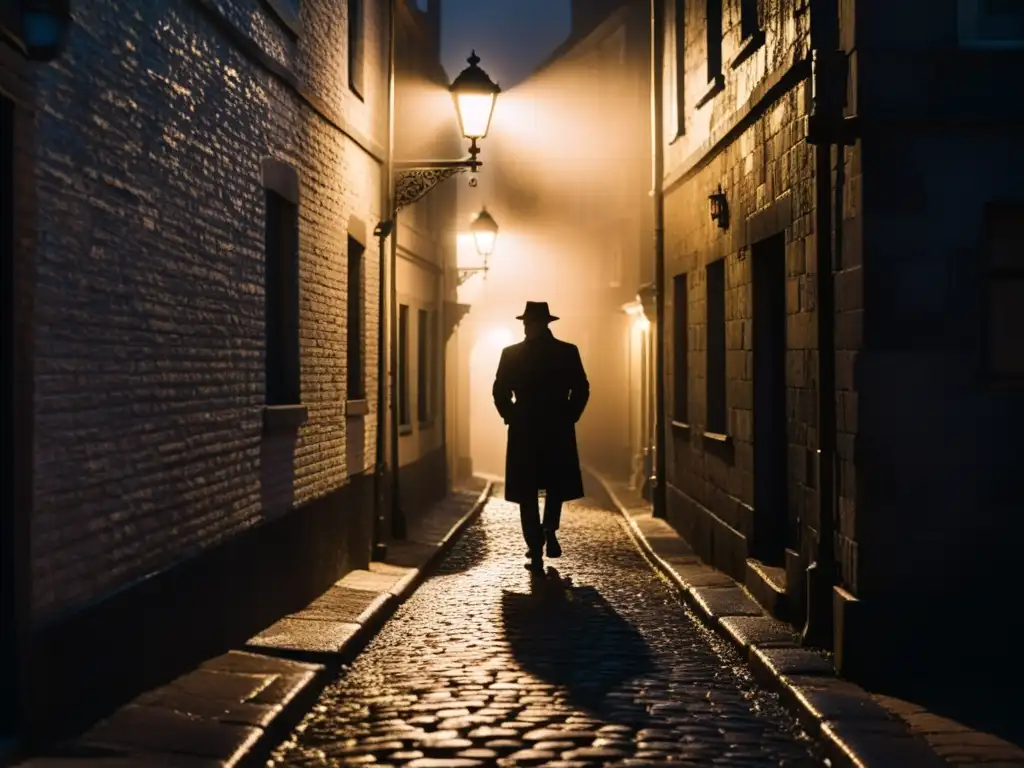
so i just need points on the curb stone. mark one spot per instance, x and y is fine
(855, 729)
(234, 709)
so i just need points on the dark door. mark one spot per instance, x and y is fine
(770, 441)
(8, 652)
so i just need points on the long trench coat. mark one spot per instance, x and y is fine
(551, 390)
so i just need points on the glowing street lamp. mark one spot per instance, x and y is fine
(485, 232)
(474, 94)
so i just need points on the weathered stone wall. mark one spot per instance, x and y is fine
(745, 131)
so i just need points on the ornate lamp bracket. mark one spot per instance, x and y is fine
(415, 179)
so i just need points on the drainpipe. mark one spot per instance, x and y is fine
(658, 196)
(386, 229)
(825, 132)
(397, 514)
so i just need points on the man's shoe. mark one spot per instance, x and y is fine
(553, 547)
(536, 564)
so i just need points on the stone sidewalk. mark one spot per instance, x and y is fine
(859, 728)
(231, 710)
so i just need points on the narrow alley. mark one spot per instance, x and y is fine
(598, 663)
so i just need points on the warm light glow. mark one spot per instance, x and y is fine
(475, 111)
(498, 338)
(485, 242)
(485, 231)
(641, 323)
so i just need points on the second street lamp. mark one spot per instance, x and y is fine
(485, 232)
(474, 95)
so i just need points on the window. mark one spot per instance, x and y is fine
(436, 364)
(749, 25)
(681, 350)
(282, 300)
(355, 46)
(716, 416)
(355, 340)
(1005, 332)
(991, 23)
(403, 366)
(713, 28)
(423, 367)
(675, 76)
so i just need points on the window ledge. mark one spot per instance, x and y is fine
(357, 408)
(281, 418)
(290, 19)
(748, 47)
(680, 426)
(715, 87)
(718, 437)
(405, 429)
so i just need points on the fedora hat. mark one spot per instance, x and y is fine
(537, 310)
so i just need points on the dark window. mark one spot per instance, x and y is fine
(403, 365)
(749, 25)
(714, 36)
(356, 307)
(12, 458)
(282, 300)
(1005, 333)
(422, 366)
(716, 418)
(679, 31)
(681, 351)
(435, 362)
(355, 46)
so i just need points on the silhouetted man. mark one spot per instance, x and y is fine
(551, 390)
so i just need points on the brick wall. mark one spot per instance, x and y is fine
(150, 350)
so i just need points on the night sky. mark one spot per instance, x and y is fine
(511, 36)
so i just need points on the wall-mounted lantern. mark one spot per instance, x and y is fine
(485, 233)
(718, 207)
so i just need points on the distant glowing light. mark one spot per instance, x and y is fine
(498, 338)
(485, 232)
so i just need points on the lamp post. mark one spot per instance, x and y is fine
(485, 233)
(474, 95)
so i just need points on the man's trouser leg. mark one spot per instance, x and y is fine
(529, 515)
(552, 514)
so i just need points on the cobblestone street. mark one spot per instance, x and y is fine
(598, 663)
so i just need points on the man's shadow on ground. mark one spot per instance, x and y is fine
(572, 637)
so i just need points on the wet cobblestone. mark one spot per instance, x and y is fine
(596, 663)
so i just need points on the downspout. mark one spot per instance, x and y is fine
(829, 92)
(397, 516)
(384, 229)
(658, 196)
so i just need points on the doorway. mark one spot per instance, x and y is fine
(8, 531)
(771, 475)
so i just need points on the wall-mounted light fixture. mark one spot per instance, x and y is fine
(485, 232)
(718, 207)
